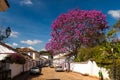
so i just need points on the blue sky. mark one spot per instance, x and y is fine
(30, 20)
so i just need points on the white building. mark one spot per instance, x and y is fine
(6, 50)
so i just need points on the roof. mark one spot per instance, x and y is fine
(4, 48)
(26, 50)
(4, 5)
(2, 56)
(43, 58)
(60, 56)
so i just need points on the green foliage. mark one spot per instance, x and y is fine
(117, 47)
(111, 32)
(86, 53)
(116, 51)
(117, 69)
(117, 24)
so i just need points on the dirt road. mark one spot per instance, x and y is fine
(50, 74)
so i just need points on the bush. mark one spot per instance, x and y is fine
(88, 53)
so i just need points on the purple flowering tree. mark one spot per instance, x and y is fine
(76, 28)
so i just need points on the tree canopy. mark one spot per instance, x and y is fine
(76, 28)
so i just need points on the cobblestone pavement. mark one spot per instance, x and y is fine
(50, 74)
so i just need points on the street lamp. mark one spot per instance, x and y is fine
(5, 34)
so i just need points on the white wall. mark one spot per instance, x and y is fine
(89, 68)
(28, 65)
(60, 61)
(16, 69)
(81, 68)
(45, 56)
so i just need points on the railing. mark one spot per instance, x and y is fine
(5, 75)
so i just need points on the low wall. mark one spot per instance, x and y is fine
(28, 65)
(16, 69)
(89, 68)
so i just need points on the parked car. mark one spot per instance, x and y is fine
(51, 66)
(58, 68)
(35, 70)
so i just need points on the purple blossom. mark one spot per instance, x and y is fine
(72, 29)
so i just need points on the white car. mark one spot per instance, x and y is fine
(58, 69)
(35, 70)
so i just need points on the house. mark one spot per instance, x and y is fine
(13, 69)
(63, 59)
(5, 69)
(28, 64)
(32, 53)
(5, 50)
(4, 5)
(59, 59)
(47, 58)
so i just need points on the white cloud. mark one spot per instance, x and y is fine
(14, 34)
(22, 47)
(26, 2)
(114, 13)
(30, 42)
(31, 47)
(13, 44)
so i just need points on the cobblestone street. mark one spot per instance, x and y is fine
(50, 74)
